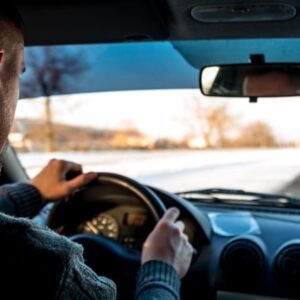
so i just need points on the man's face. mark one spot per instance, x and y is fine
(11, 68)
(268, 85)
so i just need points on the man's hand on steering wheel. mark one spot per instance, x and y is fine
(168, 243)
(52, 181)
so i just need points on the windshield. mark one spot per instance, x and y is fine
(137, 110)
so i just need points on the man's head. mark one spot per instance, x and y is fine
(11, 67)
(271, 84)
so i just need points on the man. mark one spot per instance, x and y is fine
(36, 263)
(271, 84)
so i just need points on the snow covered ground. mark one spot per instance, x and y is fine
(256, 170)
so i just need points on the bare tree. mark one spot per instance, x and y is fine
(52, 71)
(216, 122)
(210, 123)
(257, 134)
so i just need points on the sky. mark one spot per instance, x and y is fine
(160, 113)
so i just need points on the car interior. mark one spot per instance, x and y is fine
(246, 244)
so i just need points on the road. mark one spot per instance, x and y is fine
(256, 170)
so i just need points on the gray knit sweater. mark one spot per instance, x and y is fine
(30, 254)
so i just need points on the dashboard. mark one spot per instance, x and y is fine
(128, 225)
(254, 253)
(243, 252)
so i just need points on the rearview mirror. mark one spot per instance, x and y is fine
(265, 80)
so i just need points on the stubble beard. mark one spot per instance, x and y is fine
(2, 154)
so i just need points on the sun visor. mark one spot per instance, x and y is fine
(105, 67)
(213, 52)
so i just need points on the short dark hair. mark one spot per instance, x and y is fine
(12, 14)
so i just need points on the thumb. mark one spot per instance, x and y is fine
(81, 181)
(171, 215)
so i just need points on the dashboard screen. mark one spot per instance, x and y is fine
(134, 219)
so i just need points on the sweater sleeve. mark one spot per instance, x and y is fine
(45, 265)
(81, 282)
(20, 200)
(157, 280)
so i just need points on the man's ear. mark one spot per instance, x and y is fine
(1, 55)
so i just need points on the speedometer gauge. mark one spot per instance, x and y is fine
(102, 224)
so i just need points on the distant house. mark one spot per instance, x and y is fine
(17, 138)
(131, 139)
(197, 143)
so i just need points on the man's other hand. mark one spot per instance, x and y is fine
(52, 180)
(168, 243)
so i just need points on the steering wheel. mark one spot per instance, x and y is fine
(106, 256)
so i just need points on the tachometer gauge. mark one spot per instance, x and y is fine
(102, 224)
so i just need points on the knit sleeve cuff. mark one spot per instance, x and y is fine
(158, 274)
(26, 198)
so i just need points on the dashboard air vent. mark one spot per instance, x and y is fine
(242, 262)
(287, 265)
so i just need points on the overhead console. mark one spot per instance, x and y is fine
(202, 19)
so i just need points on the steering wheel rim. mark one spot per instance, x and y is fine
(151, 201)
(147, 196)
(102, 253)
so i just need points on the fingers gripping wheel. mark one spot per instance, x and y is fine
(105, 186)
(103, 253)
(148, 198)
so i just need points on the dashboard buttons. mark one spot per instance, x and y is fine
(129, 241)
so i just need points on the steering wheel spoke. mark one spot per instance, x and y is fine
(99, 251)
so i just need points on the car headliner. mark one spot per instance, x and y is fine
(122, 20)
